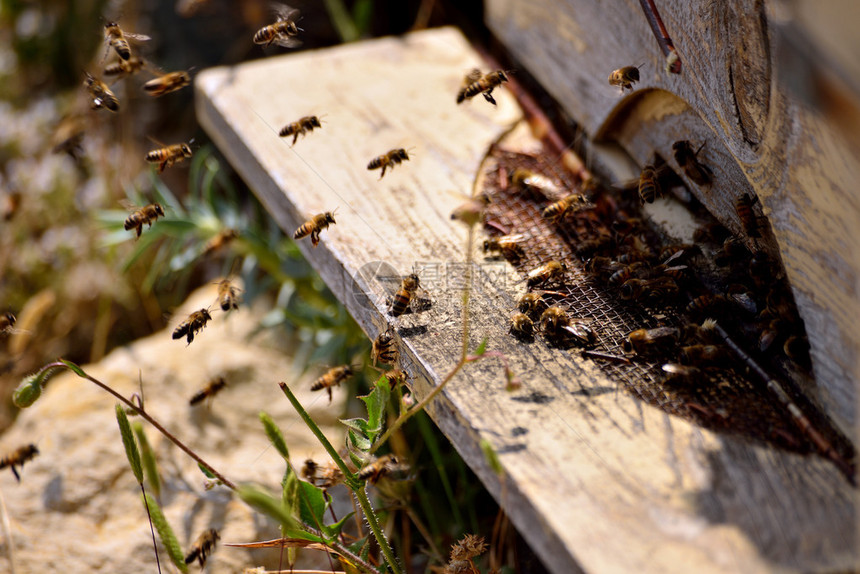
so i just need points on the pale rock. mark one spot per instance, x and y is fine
(78, 506)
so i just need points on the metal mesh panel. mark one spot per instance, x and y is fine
(721, 399)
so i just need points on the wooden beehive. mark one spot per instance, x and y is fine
(595, 479)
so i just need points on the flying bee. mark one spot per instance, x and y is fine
(124, 68)
(228, 295)
(704, 355)
(168, 155)
(18, 458)
(194, 323)
(219, 240)
(300, 127)
(210, 390)
(7, 323)
(471, 211)
(384, 350)
(101, 95)
(332, 378)
(144, 216)
(749, 220)
(167, 83)
(688, 160)
(483, 86)
(649, 184)
(314, 226)
(387, 160)
(557, 210)
(382, 466)
(283, 32)
(403, 298)
(322, 476)
(203, 546)
(624, 77)
(509, 246)
(650, 342)
(522, 325)
(529, 180)
(118, 39)
(550, 271)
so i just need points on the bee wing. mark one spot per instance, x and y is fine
(288, 41)
(136, 37)
(473, 76)
(284, 12)
(128, 205)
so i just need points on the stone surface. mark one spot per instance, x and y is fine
(77, 507)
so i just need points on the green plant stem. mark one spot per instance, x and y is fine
(151, 529)
(342, 20)
(144, 415)
(349, 478)
(464, 355)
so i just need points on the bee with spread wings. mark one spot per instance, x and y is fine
(283, 32)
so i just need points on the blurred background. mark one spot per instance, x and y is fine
(78, 283)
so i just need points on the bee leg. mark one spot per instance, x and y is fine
(295, 137)
(488, 95)
(139, 229)
(190, 336)
(15, 472)
(329, 394)
(384, 166)
(315, 238)
(161, 166)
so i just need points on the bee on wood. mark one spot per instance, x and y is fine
(530, 180)
(532, 304)
(283, 32)
(300, 127)
(650, 342)
(624, 77)
(749, 220)
(557, 210)
(167, 83)
(384, 350)
(688, 160)
(550, 271)
(118, 39)
(203, 546)
(484, 86)
(7, 323)
(209, 391)
(168, 155)
(386, 160)
(314, 226)
(124, 68)
(101, 95)
(332, 378)
(649, 184)
(711, 232)
(403, 298)
(18, 458)
(380, 467)
(144, 216)
(522, 325)
(509, 246)
(195, 322)
(732, 252)
(324, 477)
(796, 348)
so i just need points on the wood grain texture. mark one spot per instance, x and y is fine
(730, 94)
(595, 480)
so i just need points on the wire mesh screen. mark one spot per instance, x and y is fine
(723, 398)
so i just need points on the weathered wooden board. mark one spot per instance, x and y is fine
(594, 479)
(732, 94)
